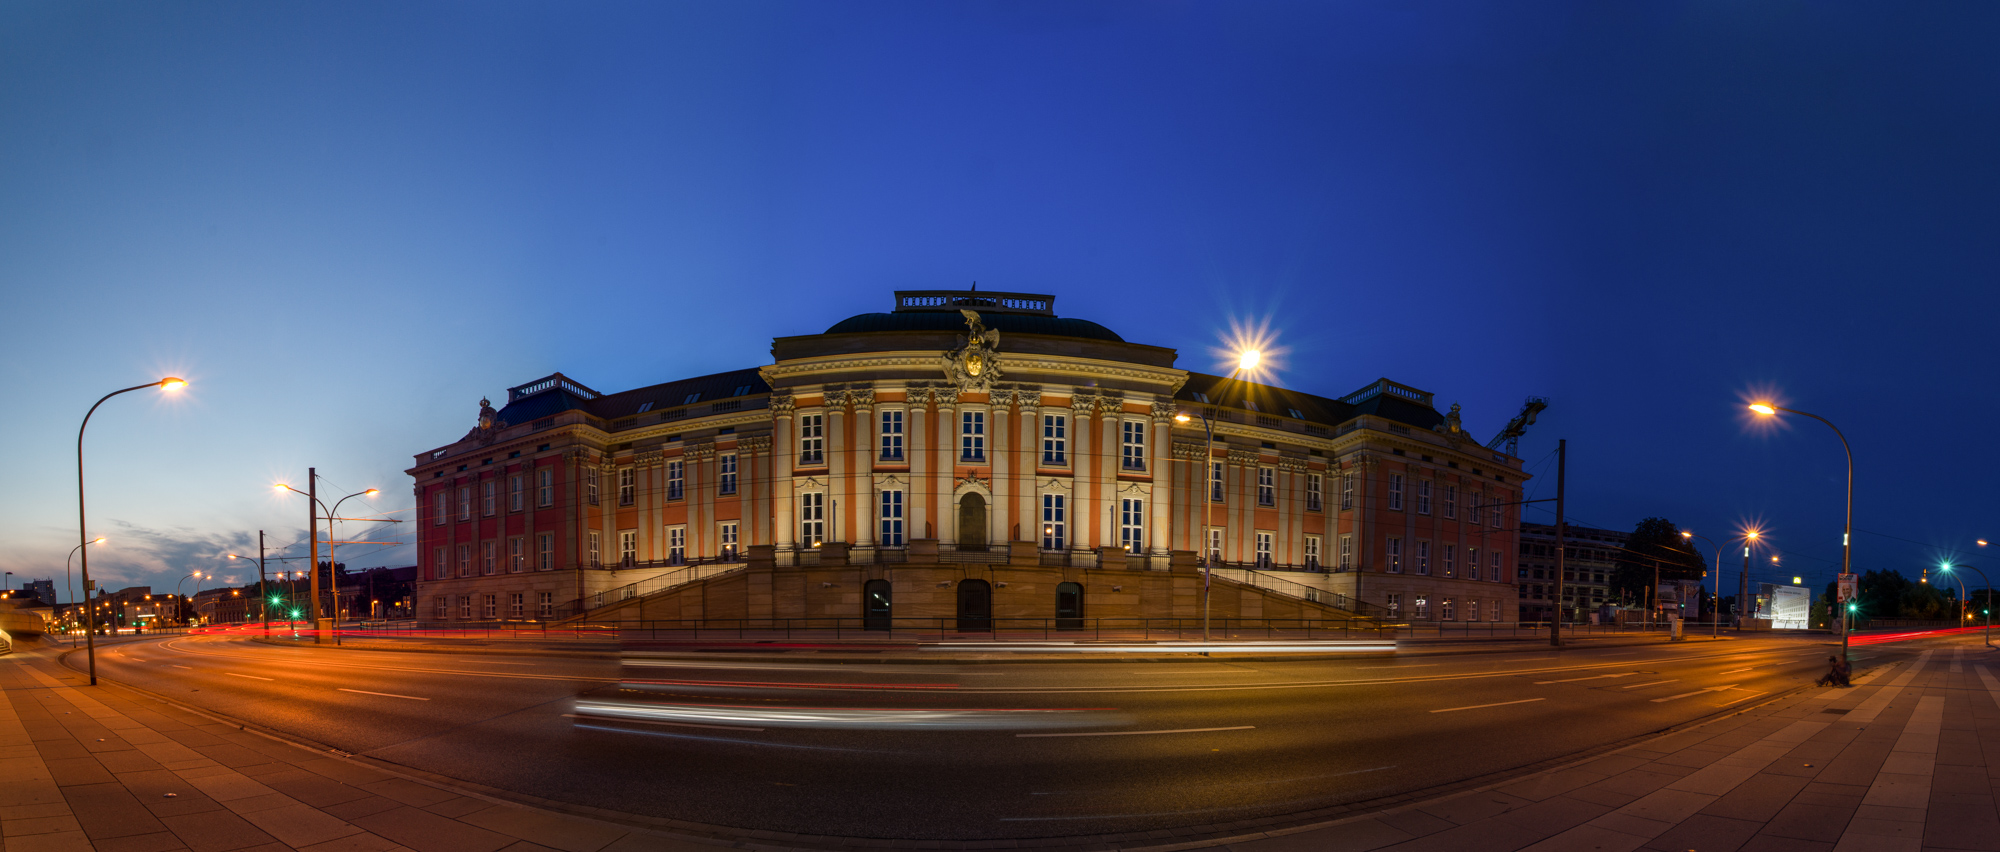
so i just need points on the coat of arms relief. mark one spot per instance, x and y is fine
(975, 364)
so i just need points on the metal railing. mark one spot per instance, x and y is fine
(679, 574)
(1270, 582)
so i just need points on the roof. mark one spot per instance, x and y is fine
(556, 397)
(951, 320)
(1202, 388)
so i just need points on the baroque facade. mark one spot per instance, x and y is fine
(964, 429)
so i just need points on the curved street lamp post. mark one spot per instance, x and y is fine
(1987, 634)
(1244, 361)
(169, 383)
(1847, 531)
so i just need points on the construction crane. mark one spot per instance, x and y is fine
(1511, 435)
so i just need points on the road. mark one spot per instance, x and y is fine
(946, 751)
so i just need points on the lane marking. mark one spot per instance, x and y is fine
(1736, 671)
(1696, 692)
(657, 722)
(1405, 666)
(1139, 733)
(1575, 679)
(1744, 698)
(250, 677)
(1654, 683)
(179, 666)
(383, 694)
(1479, 706)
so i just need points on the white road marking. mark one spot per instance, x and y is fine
(1479, 706)
(1575, 679)
(1654, 683)
(1696, 692)
(1744, 698)
(179, 666)
(1406, 666)
(1736, 671)
(251, 677)
(383, 694)
(657, 722)
(1138, 733)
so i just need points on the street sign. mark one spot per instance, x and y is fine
(1846, 590)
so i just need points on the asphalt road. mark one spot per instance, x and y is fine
(967, 751)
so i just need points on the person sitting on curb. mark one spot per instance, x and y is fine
(1836, 673)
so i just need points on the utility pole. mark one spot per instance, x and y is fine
(312, 536)
(263, 596)
(1743, 587)
(1555, 623)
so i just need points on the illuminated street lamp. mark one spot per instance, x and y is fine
(1715, 616)
(331, 540)
(1987, 634)
(1245, 360)
(169, 383)
(71, 586)
(1847, 531)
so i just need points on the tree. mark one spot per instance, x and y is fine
(1655, 542)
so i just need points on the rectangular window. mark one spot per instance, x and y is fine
(545, 488)
(1450, 560)
(1423, 608)
(1496, 565)
(547, 545)
(1424, 558)
(1445, 610)
(1346, 491)
(440, 565)
(596, 550)
(487, 502)
(1395, 551)
(1346, 553)
(1396, 492)
(676, 480)
(1267, 486)
(1215, 483)
(441, 607)
(489, 558)
(515, 608)
(677, 545)
(590, 486)
(1395, 603)
(891, 516)
(465, 607)
(1451, 501)
(1263, 549)
(1132, 525)
(1055, 439)
(628, 547)
(1423, 497)
(1492, 610)
(440, 507)
(812, 518)
(1312, 492)
(725, 534)
(465, 560)
(517, 493)
(625, 486)
(547, 604)
(1215, 544)
(1054, 522)
(892, 436)
(517, 555)
(1472, 563)
(1134, 445)
(489, 607)
(812, 439)
(725, 482)
(972, 436)
(1312, 552)
(465, 502)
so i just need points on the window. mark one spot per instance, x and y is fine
(545, 488)
(1395, 551)
(676, 479)
(1492, 610)
(628, 547)
(514, 605)
(517, 555)
(1215, 483)
(1054, 522)
(892, 436)
(1445, 610)
(590, 487)
(517, 492)
(596, 550)
(465, 607)
(624, 486)
(1395, 603)
(1132, 525)
(1055, 438)
(812, 518)
(547, 543)
(489, 558)
(1346, 491)
(1451, 501)
(441, 607)
(465, 502)
(725, 534)
(1263, 549)
(547, 604)
(726, 481)
(440, 567)
(1423, 608)
(1215, 544)
(487, 501)
(1450, 559)
(1424, 557)
(1472, 513)
(465, 560)
(1312, 492)
(1312, 551)
(972, 436)
(1472, 563)
(1134, 445)
(1267, 486)
(1496, 566)
(1396, 491)
(812, 439)
(677, 545)
(1346, 553)
(440, 507)
(892, 519)
(489, 607)
(1423, 497)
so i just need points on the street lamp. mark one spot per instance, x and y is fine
(1715, 611)
(331, 542)
(1987, 634)
(169, 383)
(180, 608)
(1245, 360)
(1847, 531)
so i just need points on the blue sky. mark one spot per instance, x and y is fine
(344, 223)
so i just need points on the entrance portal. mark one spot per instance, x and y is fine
(975, 606)
(1069, 606)
(972, 522)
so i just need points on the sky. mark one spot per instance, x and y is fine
(345, 223)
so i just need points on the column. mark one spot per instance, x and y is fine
(784, 452)
(1027, 506)
(1001, 453)
(1159, 460)
(942, 479)
(838, 452)
(1084, 463)
(861, 475)
(917, 448)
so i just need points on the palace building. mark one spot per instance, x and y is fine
(970, 456)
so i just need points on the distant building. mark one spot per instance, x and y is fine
(377, 593)
(1591, 555)
(41, 590)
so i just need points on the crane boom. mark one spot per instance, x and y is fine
(1510, 436)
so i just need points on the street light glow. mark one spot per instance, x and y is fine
(1183, 418)
(371, 492)
(172, 384)
(1247, 360)
(1763, 408)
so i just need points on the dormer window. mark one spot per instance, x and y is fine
(692, 398)
(645, 407)
(1251, 404)
(741, 391)
(1295, 414)
(1201, 397)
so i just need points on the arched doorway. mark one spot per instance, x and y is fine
(875, 609)
(975, 606)
(1069, 606)
(972, 522)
